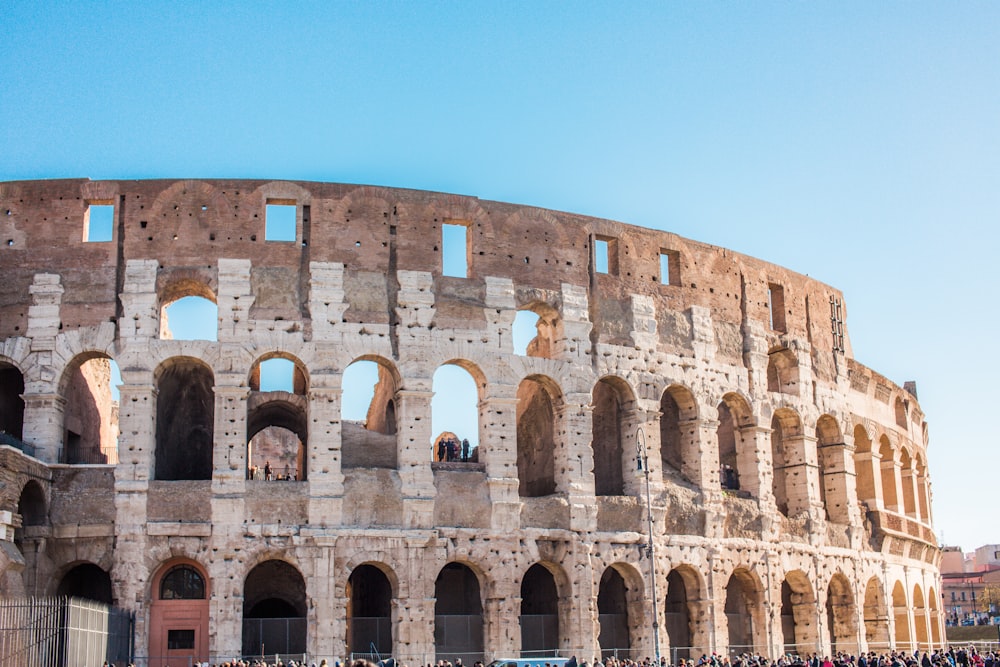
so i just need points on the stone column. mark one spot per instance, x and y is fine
(324, 472)
(225, 605)
(753, 453)
(327, 624)
(502, 632)
(413, 410)
(413, 629)
(43, 425)
(498, 451)
(700, 444)
(573, 453)
(802, 476)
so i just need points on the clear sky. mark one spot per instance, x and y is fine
(857, 142)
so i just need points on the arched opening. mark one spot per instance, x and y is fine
(736, 458)
(923, 504)
(612, 610)
(833, 477)
(458, 615)
(890, 475)
(677, 617)
(368, 415)
(536, 430)
(538, 331)
(455, 415)
(90, 415)
(11, 403)
(864, 465)
(277, 421)
(33, 509)
(539, 612)
(840, 616)
(899, 408)
(274, 610)
(900, 613)
(920, 618)
(87, 581)
(608, 418)
(190, 313)
(798, 614)
(935, 618)
(876, 617)
(369, 616)
(789, 482)
(908, 475)
(782, 371)
(743, 609)
(185, 420)
(678, 435)
(178, 625)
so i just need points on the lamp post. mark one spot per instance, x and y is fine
(643, 461)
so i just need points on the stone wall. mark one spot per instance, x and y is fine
(791, 490)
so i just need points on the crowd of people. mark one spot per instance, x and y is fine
(965, 656)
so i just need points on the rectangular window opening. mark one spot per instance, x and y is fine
(776, 306)
(180, 639)
(670, 267)
(99, 221)
(279, 220)
(455, 250)
(605, 255)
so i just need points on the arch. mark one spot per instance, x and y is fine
(368, 413)
(876, 616)
(782, 371)
(920, 618)
(612, 610)
(549, 339)
(908, 479)
(737, 467)
(277, 418)
(274, 609)
(935, 617)
(790, 481)
(458, 614)
(185, 420)
(678, 441)
(899, 410)
(538, 399)
(279, 372)
(744, 609)
(841, 616)
(798, 614)
(833, 476)
(677, 612)
(865, 462)
(539, 616)
(178, 616)
(900, 612)
(90, 420)
(455, 409)
(188, 311)
(11, 403)
(369, 610)
(890, 474)
(87, 581)
(923, 500)
(612, 398)
(32, 505)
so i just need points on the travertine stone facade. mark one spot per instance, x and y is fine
(790, 499)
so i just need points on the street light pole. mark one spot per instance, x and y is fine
(643, 459)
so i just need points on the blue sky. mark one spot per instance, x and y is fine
(857, 142)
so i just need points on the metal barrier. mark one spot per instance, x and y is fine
(63, 632)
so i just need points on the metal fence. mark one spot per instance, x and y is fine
(270, 636)
(458, 636)
(8, 439)
(63, 632)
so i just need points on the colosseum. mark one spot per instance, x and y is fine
(685, 458)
